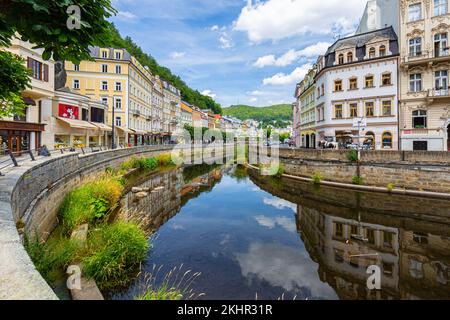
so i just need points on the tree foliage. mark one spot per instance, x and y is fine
(277, 115)
(45, 24)
(189, 95)
(15, 79)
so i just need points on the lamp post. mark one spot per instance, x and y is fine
(113, 142)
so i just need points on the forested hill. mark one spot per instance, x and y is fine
(189, 95)
(279, 113)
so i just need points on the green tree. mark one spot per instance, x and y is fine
(45, 24)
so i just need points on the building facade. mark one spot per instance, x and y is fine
(424, 75)
(172, 102)
(356, 81)
(25, 132)
(379, 14)
(306, 100)
(186, 115)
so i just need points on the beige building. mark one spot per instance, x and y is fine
(25, 132)
(172, 111)
(424, 75)
(306, 102)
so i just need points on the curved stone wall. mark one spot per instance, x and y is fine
(31, 194)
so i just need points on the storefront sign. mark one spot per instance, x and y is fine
(68, 112)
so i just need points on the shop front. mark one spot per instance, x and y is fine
(18, 136)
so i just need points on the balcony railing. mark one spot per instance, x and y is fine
(439, 93)
(425, 55)
(136, 113)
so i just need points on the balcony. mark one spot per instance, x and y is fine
(439, 93)
(135, 113)
(425, 57)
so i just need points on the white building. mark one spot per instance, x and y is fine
(357, 79)
(379, 14)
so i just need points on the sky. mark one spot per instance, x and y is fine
(238, 51)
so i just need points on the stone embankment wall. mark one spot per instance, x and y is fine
(30, 196)
(426, 171)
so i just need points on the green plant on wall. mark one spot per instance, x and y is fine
(357, 180)
(352, 156)
(317, 177)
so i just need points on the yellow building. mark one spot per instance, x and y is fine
(172, 110)
(118, 80)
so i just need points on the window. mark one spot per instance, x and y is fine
(118, 121)
(441, 80)
(338, 111)
(387, 108)
(118, 103)
(387, 143)
(338, 85)
(76, 84)
(105, 101)
(440, 7)
(369, 82)
(118, 86)
(370, 109)
(85, 114)
(104, 68)
(415, 82)
(350, 57)
(420, 145)
(415, 12)
(386, 79)
(353, 83)
(353, 110)
(104, 85)
(372, 53)
(118, 55)
(415, 47)
(104, 54)
(419, 119)
(76, 67)
(440, 45)
(118, 69)
(341, 59)
(339, 230)
(388, 238)
(382, 51)
(371, 236)
(39, 70)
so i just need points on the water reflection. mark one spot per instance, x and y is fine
(252, 235)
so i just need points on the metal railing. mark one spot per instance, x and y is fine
(439, 93)
(14, 159)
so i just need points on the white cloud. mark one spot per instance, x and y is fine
(254, 99)
(225, 41)
(270, 223)
(209, 93)
(177, 55)
(292, 56)
(256, 93)
(279, 19)
(280, 204)
(126, 15)
(215, 28)
(282, 79)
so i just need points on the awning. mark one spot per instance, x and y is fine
(142, 133)
(79, 124)
(124, 129)
(102, 126)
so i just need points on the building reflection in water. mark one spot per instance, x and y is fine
(168, 192)
(411, 247)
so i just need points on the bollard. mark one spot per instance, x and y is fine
(31, 155)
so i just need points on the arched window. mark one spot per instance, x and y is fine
(370, 140)
(387, 140)
(350, 57)
(341, 59)
(382, 51)
(419, 119)
(372, 53)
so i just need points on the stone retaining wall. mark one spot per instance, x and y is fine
(426, 171)
(31, 194)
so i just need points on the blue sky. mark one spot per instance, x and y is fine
(238, 51)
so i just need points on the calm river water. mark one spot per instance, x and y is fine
(252, 237)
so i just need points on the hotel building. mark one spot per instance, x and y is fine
(306, 101)
(356, 80)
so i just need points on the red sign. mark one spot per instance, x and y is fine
(407, 132)
(68, 112)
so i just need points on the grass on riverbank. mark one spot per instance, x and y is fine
(113, 252)
(92, 202)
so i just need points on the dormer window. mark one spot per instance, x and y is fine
(372, 53)
(341, 59)
(350, 57)
(382, 51)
